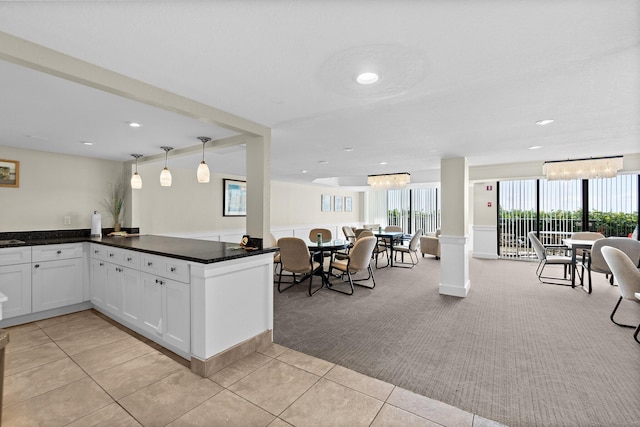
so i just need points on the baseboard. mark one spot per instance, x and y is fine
(455, 291)
(484, 255)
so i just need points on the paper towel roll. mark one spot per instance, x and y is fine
(96, 225)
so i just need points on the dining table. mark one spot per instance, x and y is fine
(320, 248)
(390, 238)
(575, 244)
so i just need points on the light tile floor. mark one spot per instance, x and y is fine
(83, 370)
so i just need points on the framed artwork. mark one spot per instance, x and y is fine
(9, 173)
(235, 197)
(337, 203)
(326, 202)
(348, 206)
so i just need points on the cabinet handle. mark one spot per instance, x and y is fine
(173, 269)
(36, 266)
(149, 264)
(102, 264)
(111, 255)
(129, 258)
(59, 252)
(95, 251)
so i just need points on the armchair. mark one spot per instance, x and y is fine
(430, 245)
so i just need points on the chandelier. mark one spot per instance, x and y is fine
(595, 167)
(389, 180)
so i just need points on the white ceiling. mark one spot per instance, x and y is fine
(458, 78)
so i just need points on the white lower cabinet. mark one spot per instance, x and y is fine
(166, 310)
(15, 284)
(56, 283)
(99, 283)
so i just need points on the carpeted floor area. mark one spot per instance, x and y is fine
(515, 350)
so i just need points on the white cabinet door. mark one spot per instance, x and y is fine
(166, 310)
(152, 304)
(99, 282)
(177, 314)
(131, 296)
(56, 283)
(114, 289)
(15, 284)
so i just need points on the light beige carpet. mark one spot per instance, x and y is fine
(515, 350)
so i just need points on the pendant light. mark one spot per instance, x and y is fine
(136, 180)
(165, 175)
(203, 169)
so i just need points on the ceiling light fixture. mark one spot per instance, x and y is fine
(367, 78)
(87, 142)
(535, 147)
(389, 180)
(165, 175)
(544, 122)
(598, 167)
(134, 124)
(203, 169)
(136, 179)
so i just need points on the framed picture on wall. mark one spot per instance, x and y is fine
(326, 202)
(337, 203)
(348, 207)
(234, 197)
(9, 173)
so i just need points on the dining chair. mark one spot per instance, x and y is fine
(296, 259)
(628, 276)
(359, 259)
(378, 250)
(545, 259)
(585, 235)
(325, 232)
(270, 242)
(597, 263)
(411, 249)
(349, 234)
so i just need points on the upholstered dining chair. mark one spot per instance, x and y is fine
(296, 259)
(270, 242)
(392, 228)
(359, 259)
(628, 277)
(541, 253)
(326, 234)
(379, 250)
(349, 234)
(430, 244)
(585, 235)
(596, 261)
(411, 249)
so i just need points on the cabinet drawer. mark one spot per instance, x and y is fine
(55, 252)
(166, 267)
(11, 256)
(122, 257)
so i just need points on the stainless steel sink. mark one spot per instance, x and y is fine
(11, 242)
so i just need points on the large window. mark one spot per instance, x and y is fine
(556, 209)
(411, 209)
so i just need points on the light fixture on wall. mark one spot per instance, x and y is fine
(203, 169)
(595, 167)
(136, 179)
(389, 180)
(165, 175)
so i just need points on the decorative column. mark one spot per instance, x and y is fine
(454, 262)
(259, 185)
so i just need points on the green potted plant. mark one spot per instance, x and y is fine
(115, 203)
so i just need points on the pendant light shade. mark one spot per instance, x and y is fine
(203, 170)
(136, 179)
(165, 175)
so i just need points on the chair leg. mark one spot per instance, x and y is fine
(340, 290)
(280, 281)
(620, 324)
(370, 271)
(635, 336)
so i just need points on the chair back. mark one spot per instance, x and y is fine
(541, 253)
(415, 239)
(392, 228)
(629, 246)
(587, 235)
(360, 254)
(294, 255)
(269, 241)
(326, 234)
(349, 233)
(624, 270)
(365, 233)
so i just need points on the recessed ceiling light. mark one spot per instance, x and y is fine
(134, 124)
(382, 163)
(87, 142)
(323, 162)
(535, 147)
(303, 171)
(544, 122)
(367, 78)
(348, 149)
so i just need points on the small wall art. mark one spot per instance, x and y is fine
(348, 204)
(326, 202)
(9, 173)
(235, 198)
(337, 203)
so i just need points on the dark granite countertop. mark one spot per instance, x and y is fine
(196, 250)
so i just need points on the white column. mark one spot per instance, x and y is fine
(454, 179)
(259, 186)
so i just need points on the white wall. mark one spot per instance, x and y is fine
(53, 186)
